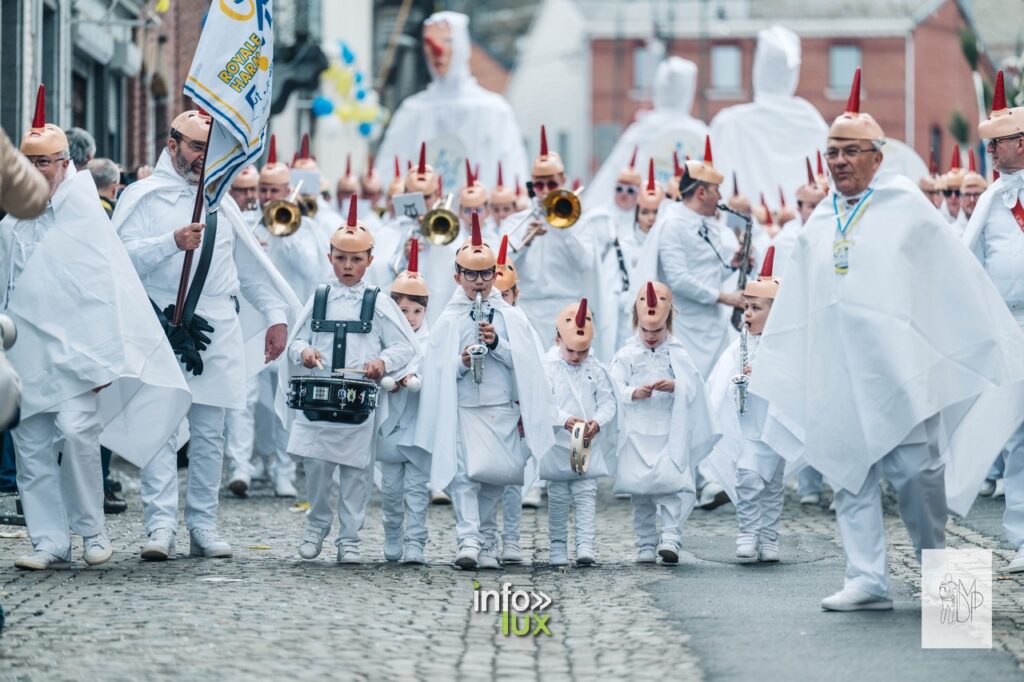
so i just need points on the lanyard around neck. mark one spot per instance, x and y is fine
(853, 215)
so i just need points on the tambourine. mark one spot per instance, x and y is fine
(579, 449)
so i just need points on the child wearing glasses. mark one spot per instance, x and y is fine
(484, 374)
(667, 427)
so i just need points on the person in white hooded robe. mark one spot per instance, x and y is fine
(454, 115)
(764, 142)
(888, 352)
(153, 219)
(995, 234)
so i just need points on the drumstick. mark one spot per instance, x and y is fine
(319, 365)
(350, 370)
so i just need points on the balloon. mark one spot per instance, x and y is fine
(365, 129)
(343, 82)
(359, 77)
(360, 94)
(347, 55)
(322, 106)
(344, 112)
(366, 114)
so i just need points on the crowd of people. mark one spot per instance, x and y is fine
(484, 345)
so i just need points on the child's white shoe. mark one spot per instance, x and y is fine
(585, 555)
(392, 547)
(558, 554)
(646, 555)
(746, 546)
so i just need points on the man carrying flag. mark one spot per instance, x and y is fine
(153, 220)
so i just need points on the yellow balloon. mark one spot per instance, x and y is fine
(367, 114)
(343, 82)
(345, 112)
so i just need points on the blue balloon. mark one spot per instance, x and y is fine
(365, 129)
(359, 76)
(360, 94)
(347, 55)
(322, 106)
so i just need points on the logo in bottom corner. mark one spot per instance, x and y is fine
(522, 612)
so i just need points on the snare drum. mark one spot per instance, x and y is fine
(347, 401)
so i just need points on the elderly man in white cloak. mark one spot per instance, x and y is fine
(995, 234)
(92, 357)
(765, 141)
(655, 134)
(888, 353)
(153, 218)
(454, 115)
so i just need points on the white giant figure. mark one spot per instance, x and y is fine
(765, 141)
(656, 134)
(454, 115)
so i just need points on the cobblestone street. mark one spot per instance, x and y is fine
(266, 614)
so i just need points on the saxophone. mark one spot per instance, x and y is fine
(479, 349)
(741, 380)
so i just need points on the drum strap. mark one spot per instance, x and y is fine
(342, 328)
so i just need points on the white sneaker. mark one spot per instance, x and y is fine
(988, 486)
(160, 546)
(712, 496)
(392, 547)
(646, 555)
(239, 484)
(768, 550)
(811, 498)
(511, 553)
(585, 555)
(349, 555)
(488, 558)
(558, 554)
(283, 487)
(40, 561)
(205, 542)
(531, 498)
(467, 557)
(97, 549)
(669, 553)
(413, 554)
(852, 599)
(1017, 565)
(1000, 490)
(746, 546)
(312, 543)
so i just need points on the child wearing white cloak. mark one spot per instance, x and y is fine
(388, 348)
(753, 472)
(585, 398)
(405, 472)
(668, 427)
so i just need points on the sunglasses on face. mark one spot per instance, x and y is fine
(549, 185)
(626, 189)
(950, 192)
(472, 275)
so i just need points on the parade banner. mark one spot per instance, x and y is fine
(231, 78)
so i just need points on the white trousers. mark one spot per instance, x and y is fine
(405, 494)
(257, 432)
(916, 472)
(353, 497)
(511, 513)
(759, 502)
(205, 458)
(60, 499)
(809, 482)
(660, 518)
(476, 511)
(1013, 480)
(582, 493)
(239, 430)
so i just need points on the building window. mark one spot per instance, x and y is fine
(11, 56)
(642, 71)
(843, 60)
(726, 69)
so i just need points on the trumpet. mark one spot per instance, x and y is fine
(479, 349)
(308, 205)
(560, 209)
(440, 226)
(741, 381)
(282, 217)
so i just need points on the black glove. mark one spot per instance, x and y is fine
(187, 340)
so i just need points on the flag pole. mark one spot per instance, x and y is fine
(197, 213)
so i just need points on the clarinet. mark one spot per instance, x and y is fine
(748, 228)
(479, 349)
(741, 380)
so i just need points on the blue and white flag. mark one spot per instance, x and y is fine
(231, 77)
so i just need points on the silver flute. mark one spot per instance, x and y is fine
(742, 380)
(479, 349)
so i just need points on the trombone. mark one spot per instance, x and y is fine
(282, 217)
(440, 226)
(560, 209)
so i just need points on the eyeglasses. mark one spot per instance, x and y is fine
(549, 185)
(472, 275)
(196, 147)
(991, 144)
(970, 195)
(626, 189)
(851, 152)
(931, 192)
(44, 162)
(950, 192)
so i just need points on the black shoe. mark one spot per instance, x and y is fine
(183, 457)
(11, 513)
(115, 486)
(112, 504)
